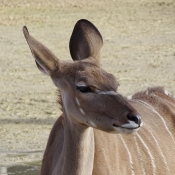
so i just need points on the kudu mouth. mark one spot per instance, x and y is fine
(128, 120)
(134, 123)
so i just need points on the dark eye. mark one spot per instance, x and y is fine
(84, 89)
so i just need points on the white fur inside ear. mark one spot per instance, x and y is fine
(44, 71)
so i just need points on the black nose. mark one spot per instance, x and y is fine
(134, 117)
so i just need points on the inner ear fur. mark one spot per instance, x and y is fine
(46, 61)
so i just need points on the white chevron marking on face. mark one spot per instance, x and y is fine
(106, 92)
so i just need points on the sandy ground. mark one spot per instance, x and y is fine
(139, 49)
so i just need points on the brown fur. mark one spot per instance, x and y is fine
(80, 142)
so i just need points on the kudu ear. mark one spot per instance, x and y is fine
(45, 60)
(86, 41)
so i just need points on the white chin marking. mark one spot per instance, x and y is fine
(124, 130)
(130, 125)
(82, 111)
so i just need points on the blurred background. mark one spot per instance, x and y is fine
(139, 49)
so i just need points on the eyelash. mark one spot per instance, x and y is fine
(84, 89)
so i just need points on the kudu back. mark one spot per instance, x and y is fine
(80, 142)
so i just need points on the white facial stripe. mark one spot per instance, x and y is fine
(82, 111)
(77, 101)
(106, 92)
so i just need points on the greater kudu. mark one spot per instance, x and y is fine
(77, 144)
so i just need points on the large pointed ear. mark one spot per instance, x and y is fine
(86, 41)
(46, 61)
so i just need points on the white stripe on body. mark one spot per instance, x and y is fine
(162, 119)
(149, 153)
(140, 155)
(163, 99)
(129, 154)
(159, 149)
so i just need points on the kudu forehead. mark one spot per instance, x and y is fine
(91, 74)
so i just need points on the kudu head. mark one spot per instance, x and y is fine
(89, 94)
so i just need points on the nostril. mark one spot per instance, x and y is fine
(134, 117)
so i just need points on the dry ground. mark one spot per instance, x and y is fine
(139, 49)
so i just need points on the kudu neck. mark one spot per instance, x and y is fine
(78, 149)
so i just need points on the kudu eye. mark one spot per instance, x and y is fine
(84, 89)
